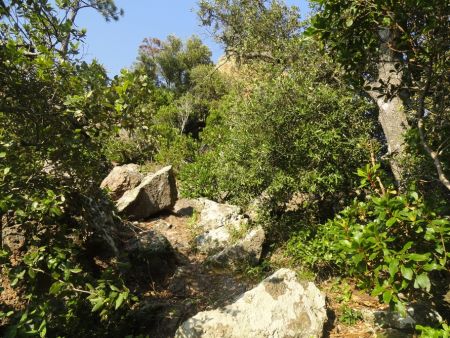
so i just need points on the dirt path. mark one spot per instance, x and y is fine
(193, 286)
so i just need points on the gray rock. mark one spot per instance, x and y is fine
(247, 249)
(255, 209)
(121, 179)
(185, 207)
(416, 314)
(214, 215)
(99, 214)
(216, 225)
(12, 237)
(155, 193)
(280, 306)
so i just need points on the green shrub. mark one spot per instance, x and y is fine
(431, 332)
(280, 133)
(390, 242)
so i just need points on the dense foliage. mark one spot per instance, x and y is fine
(392, 243)
(53, 116)
(282, 126)
(245, 155)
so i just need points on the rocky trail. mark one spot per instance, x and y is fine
(192, 287)
(193, 254)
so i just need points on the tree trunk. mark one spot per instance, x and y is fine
(385, 91)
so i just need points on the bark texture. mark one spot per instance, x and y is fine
(385, 91)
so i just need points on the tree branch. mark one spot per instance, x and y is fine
(420, 125)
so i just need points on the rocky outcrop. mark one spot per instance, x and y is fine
(121, 179)
(246, 250)
(280, 306)
(155, 193)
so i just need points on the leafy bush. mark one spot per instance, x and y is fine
(283, 132)
(391, 242)
(430, 332)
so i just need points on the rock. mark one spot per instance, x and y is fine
(153, 250)
(121, 179)
(99, 214)
(416, 314)
(155, 193)
(185, 207)
(214, 215)
(255, 209)
(280, 306)
(217, 223)
(12, 237)
(246, 250)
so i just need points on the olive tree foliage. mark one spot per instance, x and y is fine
(399, 52)
(284, 138)
(162, 103)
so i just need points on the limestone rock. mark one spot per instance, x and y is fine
(121, 179)
(216, 224)
(155, 193)
(185, 207)
(416, 314)
(280, 306)
(247, 249)
(12, 237)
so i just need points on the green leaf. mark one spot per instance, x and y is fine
(414, 195)
(31, 273)
(55, 288)
(393, 267)
(2, 154)
(378, 290)
(407, 273)
(98, 304)
(422, 281)
(387, 296)
(114, 288)
(120, 300)
(390, 222)
(433, 266)
(418, 257)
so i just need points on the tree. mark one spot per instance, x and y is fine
(54, 114)
(397, 50)
(36, 24)
(253, 29)
(171, 61)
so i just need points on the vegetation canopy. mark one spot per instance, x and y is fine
(331, 134)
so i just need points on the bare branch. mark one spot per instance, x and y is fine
(420, 125)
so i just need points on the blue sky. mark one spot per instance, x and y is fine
(115, 44)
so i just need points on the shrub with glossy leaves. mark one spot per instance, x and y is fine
(391, 242)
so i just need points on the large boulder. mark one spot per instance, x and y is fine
(280, 306)
(217, 225)
(246, 250)
(155, 193)
(121, 179)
